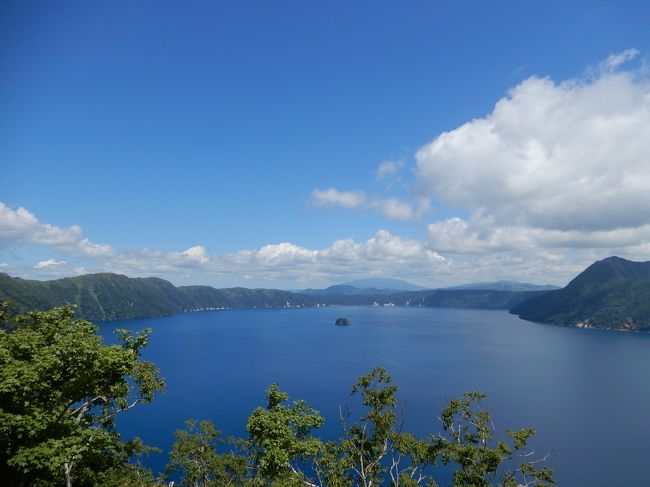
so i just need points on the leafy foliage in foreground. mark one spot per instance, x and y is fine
(61, 389)
(282, 451)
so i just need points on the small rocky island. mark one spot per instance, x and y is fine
(342, 322)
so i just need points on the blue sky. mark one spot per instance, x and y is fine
(287, 144)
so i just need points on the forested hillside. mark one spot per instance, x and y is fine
(112, 296)
(612, 293)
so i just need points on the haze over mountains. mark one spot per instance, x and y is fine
(385, 283)
(377, 285)
(505, 286)
(387, 286)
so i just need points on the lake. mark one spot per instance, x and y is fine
(587, 392)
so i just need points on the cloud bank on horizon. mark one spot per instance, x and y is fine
(274, 262)
(554, 177)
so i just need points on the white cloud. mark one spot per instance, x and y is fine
(388, 168)
(21, 226)
(54, 268)
(480, 235)
(615, 60)
(494, 252)
(568, 156)
(89, 249)
(334, 197)
(391, 208)
(555, 177)
(384, 254)
(195, 254)
(49, 263)
(283, 254)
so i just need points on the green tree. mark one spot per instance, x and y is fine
(60, 391)
(469, 443)
(372, 452)
(279, 439)
(279, 444)
(375, 449)
(369, 441)
(195, 456)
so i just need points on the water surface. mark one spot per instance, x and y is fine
(587, 392)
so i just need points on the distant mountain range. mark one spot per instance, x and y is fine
(612, 293)
(378, 285)
(109, 296)
(388, 286)
(112, 296)
(385, 284)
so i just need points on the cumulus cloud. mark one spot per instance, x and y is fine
(391, 208)
(565, 160)
(280, 255)
(480, 236)
(571, 156)
(195, 254)
(384, 254)
(89, 249)
(343, 255)
(552, 179)
(22, 226)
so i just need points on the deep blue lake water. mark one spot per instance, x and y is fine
(586, 392)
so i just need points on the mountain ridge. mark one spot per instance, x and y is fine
(107, 296)
(612, 293)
